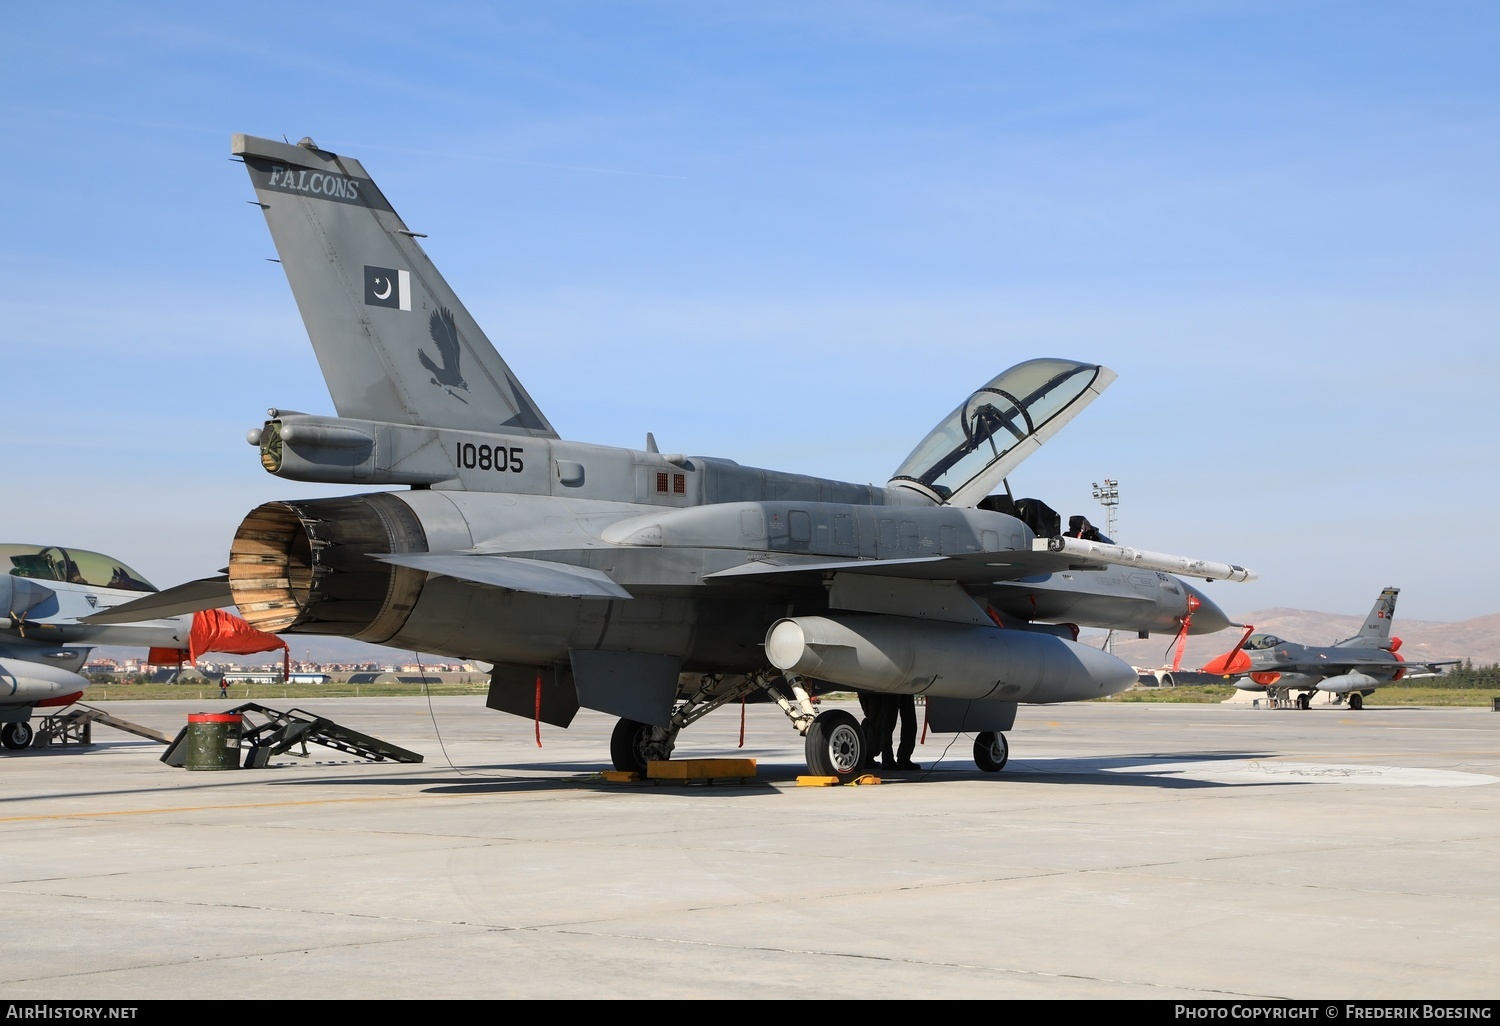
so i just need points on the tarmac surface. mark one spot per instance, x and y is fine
(1171, 852)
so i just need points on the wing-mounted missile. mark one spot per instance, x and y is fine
(1098, 554)
(972, 450)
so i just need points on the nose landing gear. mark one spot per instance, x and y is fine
(17, 735)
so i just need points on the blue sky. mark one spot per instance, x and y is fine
(797, 235)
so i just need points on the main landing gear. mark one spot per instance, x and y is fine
(836, 745)
(633, 744)
(1356, 700)
(991, 751)
(17, 735)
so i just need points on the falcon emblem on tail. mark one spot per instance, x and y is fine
(445, 337)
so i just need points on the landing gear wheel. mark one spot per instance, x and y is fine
(991, 751)
(17, 736)
(1356, 700)
(633, 744)
(1304, 701)
(835, 746)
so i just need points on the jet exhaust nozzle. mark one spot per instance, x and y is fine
(304, 567)
(944, 660)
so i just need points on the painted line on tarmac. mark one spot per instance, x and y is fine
(215, 808)
(1240, 771)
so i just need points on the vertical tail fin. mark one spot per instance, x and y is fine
(1376, 632)
(394, 342)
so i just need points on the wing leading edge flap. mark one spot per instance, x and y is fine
(538, 576)
(760, 568)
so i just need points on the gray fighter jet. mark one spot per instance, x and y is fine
(56, 597)
(653, 586)
(1354, 667)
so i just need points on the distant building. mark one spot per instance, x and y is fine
(265, 675)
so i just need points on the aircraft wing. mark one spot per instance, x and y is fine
(572, 571)
(1428, 668)
(969, 568)
(1334, 666)
(192, 597)
(540, 576)
(1047, 556)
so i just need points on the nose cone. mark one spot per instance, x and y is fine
(1208, 617)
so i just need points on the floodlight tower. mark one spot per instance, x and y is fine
(1108, 496)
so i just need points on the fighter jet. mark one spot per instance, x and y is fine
(1354, 667)
(657, 587)
(54, 597)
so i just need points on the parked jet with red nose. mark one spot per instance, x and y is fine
(1352, 668)
(61, 602)
(651, 586)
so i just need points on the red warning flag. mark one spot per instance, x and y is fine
(166, 656)
(217, 631)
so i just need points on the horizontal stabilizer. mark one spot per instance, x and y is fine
(192, 597)
(1431, 668)
(513, 572)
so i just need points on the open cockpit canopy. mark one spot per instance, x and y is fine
(70, 566)
(977, 445)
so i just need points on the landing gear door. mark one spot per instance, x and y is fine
(977, 445)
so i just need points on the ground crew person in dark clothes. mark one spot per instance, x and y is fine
(880, 720)
(906, 708)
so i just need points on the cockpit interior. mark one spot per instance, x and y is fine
(71, 566)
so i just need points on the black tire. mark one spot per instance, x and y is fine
(1304, 701)
(1356, 700)
(835, 746)
(991, 751)
(17, 736)
(627, 746)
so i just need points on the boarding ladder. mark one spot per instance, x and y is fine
(280, 732)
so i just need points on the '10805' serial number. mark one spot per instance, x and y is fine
(487, 457)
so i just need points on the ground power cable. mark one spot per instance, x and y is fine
(432, 718)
